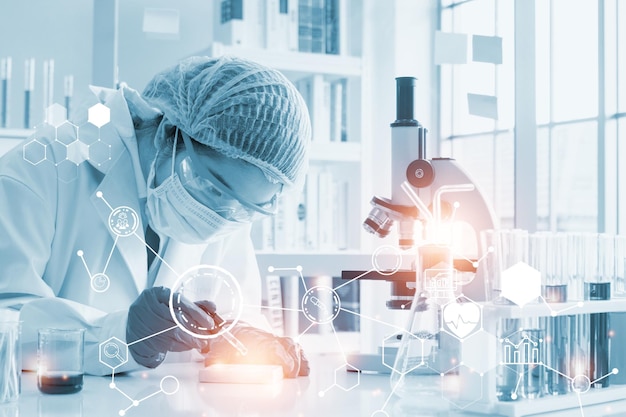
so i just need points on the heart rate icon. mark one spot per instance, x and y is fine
(461, 318)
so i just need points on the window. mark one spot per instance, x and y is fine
(580, 105)
(483, 146)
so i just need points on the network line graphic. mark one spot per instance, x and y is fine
(68, 145)
(321, 305)
(123, 221)
(526, 352)
(461, 317)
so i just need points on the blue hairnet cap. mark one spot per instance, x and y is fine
(240, 108)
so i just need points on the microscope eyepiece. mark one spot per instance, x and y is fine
(405, 102)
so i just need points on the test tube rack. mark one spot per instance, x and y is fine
(481, 398)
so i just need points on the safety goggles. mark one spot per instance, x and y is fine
(205, 187)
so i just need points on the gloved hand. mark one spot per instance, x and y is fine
(263, 349)
(150, 314)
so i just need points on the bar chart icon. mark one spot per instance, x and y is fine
(523, 353)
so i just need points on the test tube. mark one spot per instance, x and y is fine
(509, 370)
(619, 279)
(48, 86)
(509, 247)
(548, 254)
(29, 86)
(5, 80)
(489, 266)
(68, 92)
(532, 354)
(598, 287)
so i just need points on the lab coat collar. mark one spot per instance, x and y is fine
(119, 103)
(117, 191)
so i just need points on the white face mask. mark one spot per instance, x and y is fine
(173, 212)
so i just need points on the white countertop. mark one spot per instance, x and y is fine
(345, 394)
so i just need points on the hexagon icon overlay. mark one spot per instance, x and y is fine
(521, 284)
(461, 318)
(34, 152)
(56, 115)
(113, 352)
(99, 115)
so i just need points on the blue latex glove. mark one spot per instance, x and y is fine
(263, 349)
(150, 314)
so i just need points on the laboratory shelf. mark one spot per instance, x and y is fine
(593, 402)
(6, 133)
(292, 63)
(314, 263)
(10, 138)
(554, 309)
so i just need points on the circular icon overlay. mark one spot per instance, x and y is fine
(387, 260)
(321, 304)
(581, 384)
(169, 385)
(123, 221)
(100, 282)
(197, 286)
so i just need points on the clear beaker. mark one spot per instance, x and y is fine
(419, 343)
(417, 350)
(60, 361)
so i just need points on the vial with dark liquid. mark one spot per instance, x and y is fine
(60, 361)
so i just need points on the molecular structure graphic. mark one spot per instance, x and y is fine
(66, 144)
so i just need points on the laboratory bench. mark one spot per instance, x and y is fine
(173, 390)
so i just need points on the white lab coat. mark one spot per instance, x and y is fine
(46, 219)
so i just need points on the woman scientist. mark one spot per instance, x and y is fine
(205, 150)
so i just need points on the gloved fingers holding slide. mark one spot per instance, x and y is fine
(151, 330)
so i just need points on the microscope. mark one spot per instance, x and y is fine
(434, 194)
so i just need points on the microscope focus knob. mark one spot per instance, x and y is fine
(420, 173)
